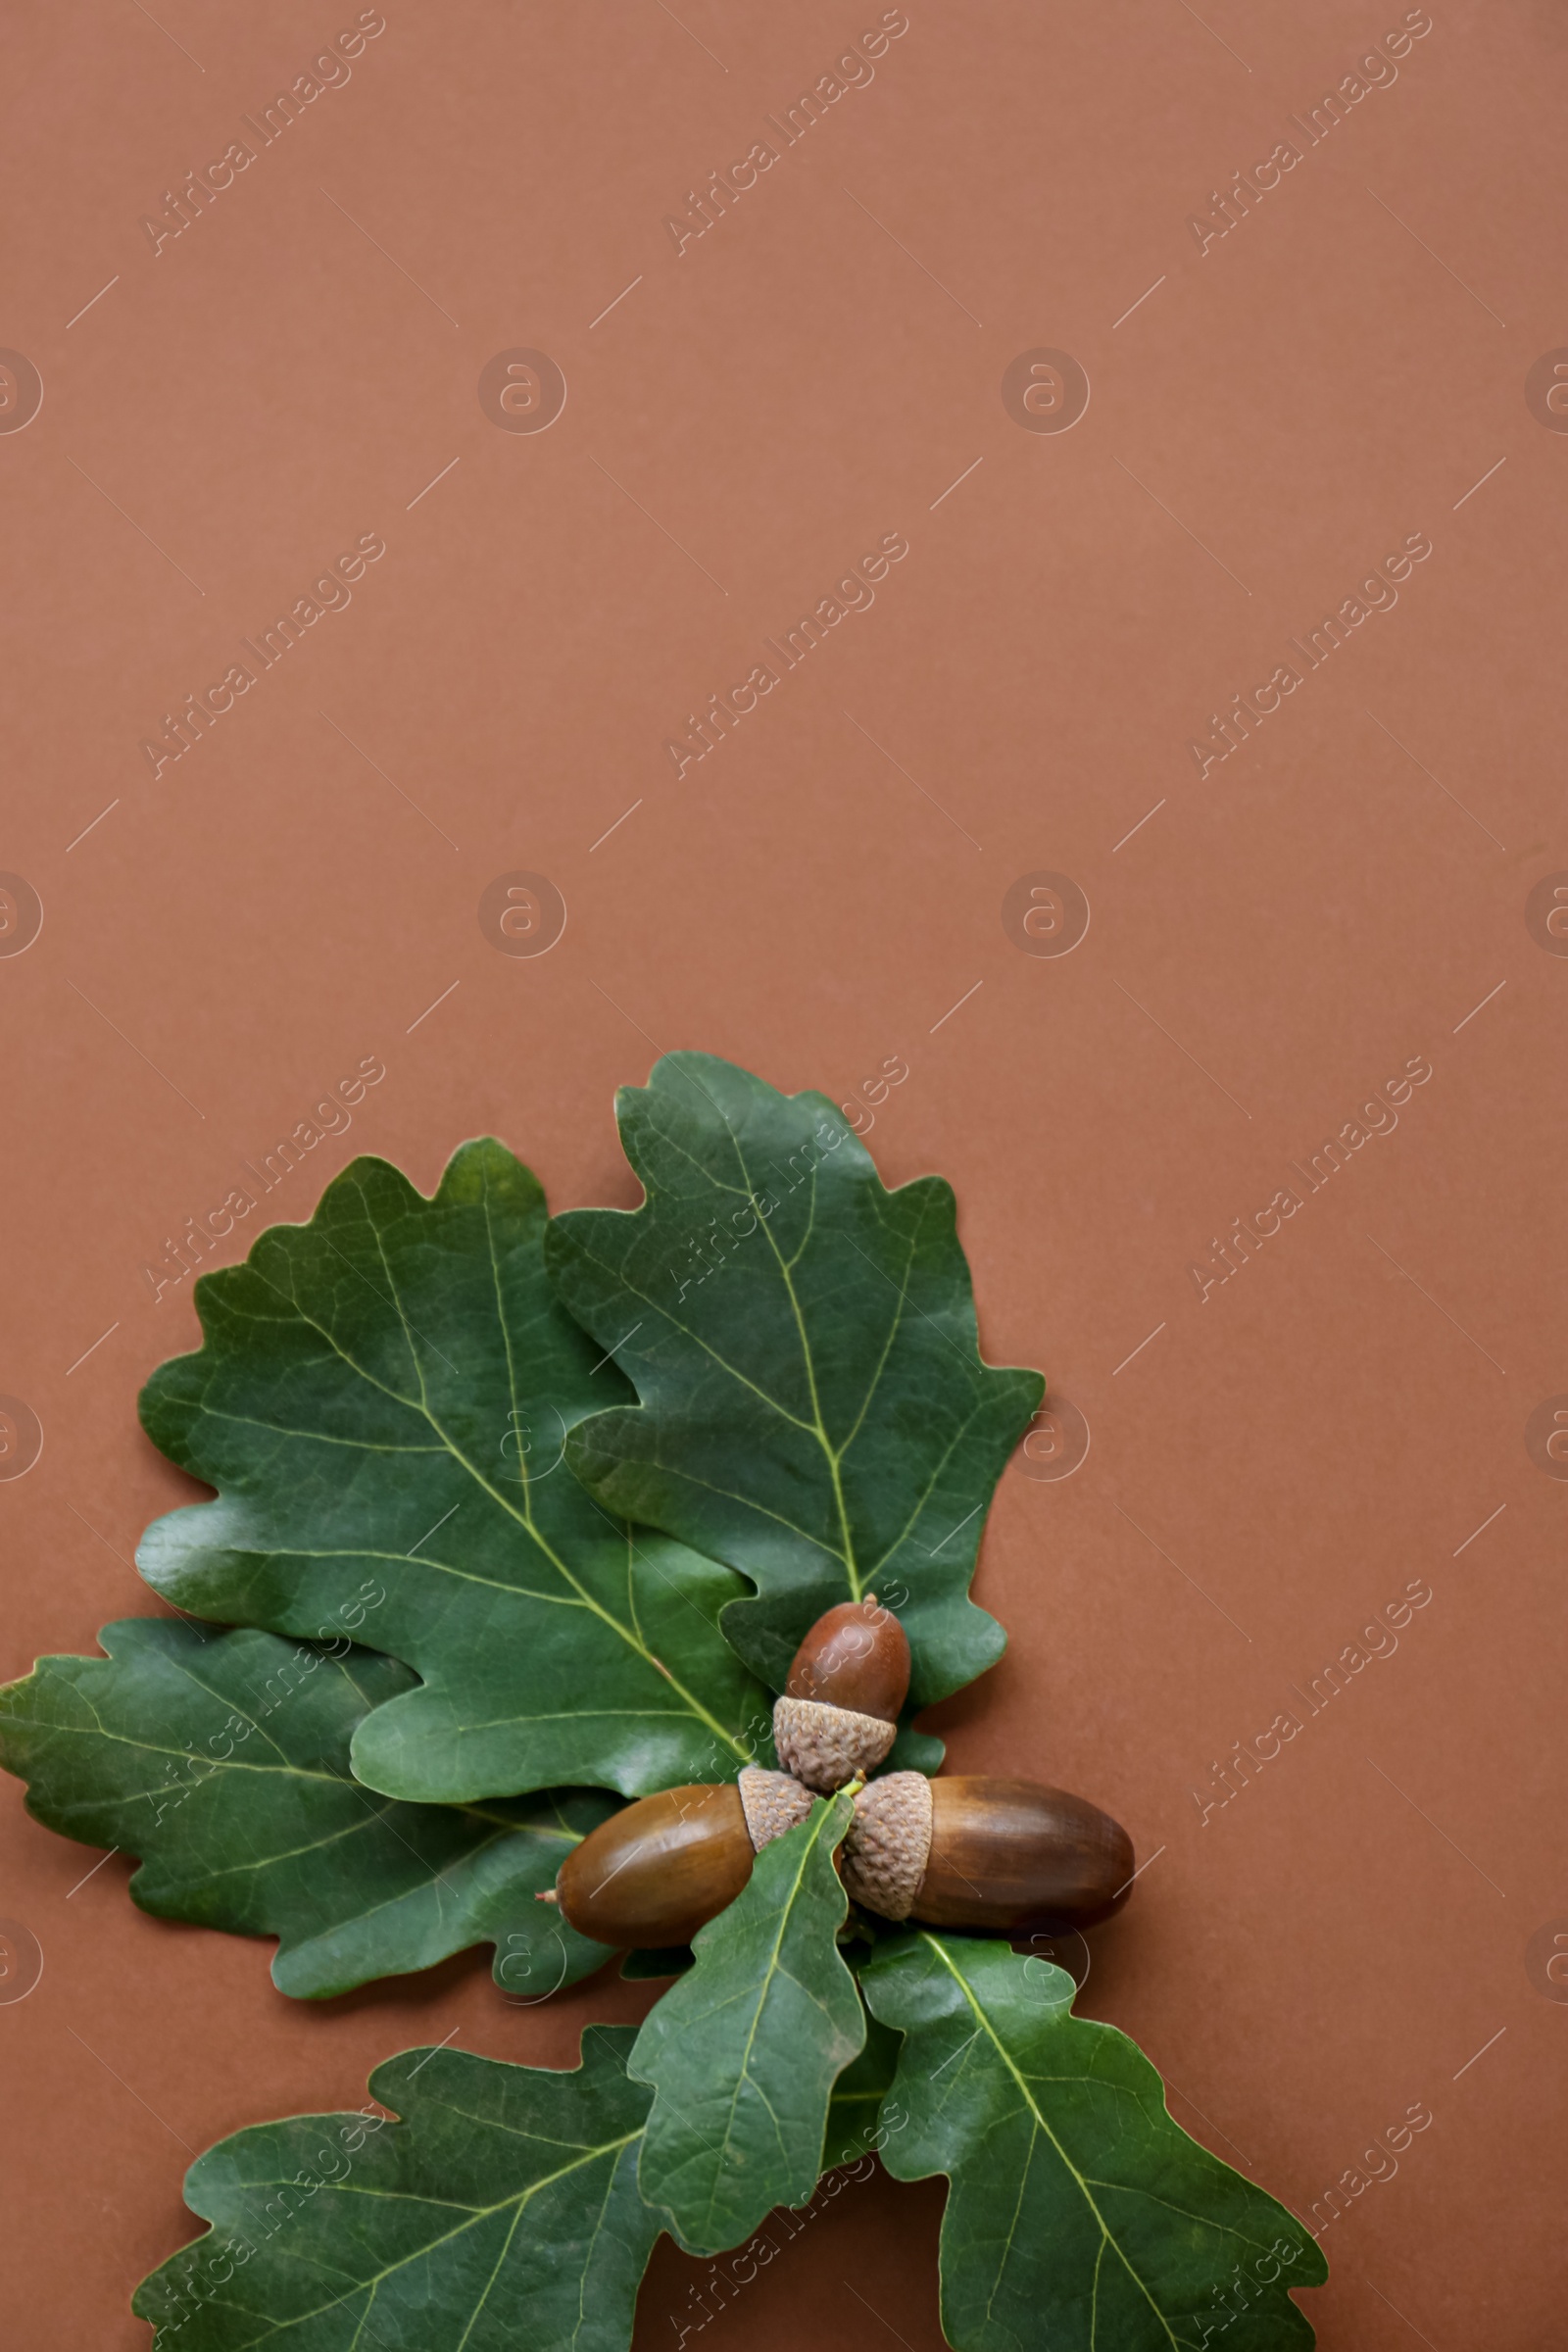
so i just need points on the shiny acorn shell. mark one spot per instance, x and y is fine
(1010, 1856)
(856, 1656)
(1004, 1856)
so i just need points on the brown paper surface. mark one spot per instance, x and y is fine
(1189, 784)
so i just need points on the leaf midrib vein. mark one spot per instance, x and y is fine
(475, 2214)
(743, 2072)
(818, 1425)
(1005, 2056)
(525, 1518)
(618, 1275)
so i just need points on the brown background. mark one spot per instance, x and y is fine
(1280, 1460)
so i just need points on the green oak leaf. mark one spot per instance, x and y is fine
(1079, 2214)
(501, 2211)
(222, 1761)
(744, 2050)
(859, 2117)
(813, 1408)
(383, 1398)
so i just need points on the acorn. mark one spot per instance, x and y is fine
(659, 1869)
(839, 1715)
(1001, 1856)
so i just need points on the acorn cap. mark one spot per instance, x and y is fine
(888, 1843)
(773, 1802)
(825, 1746)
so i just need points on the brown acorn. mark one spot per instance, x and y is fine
(1003, 1856)
(661, 1869)
(840, 1711)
